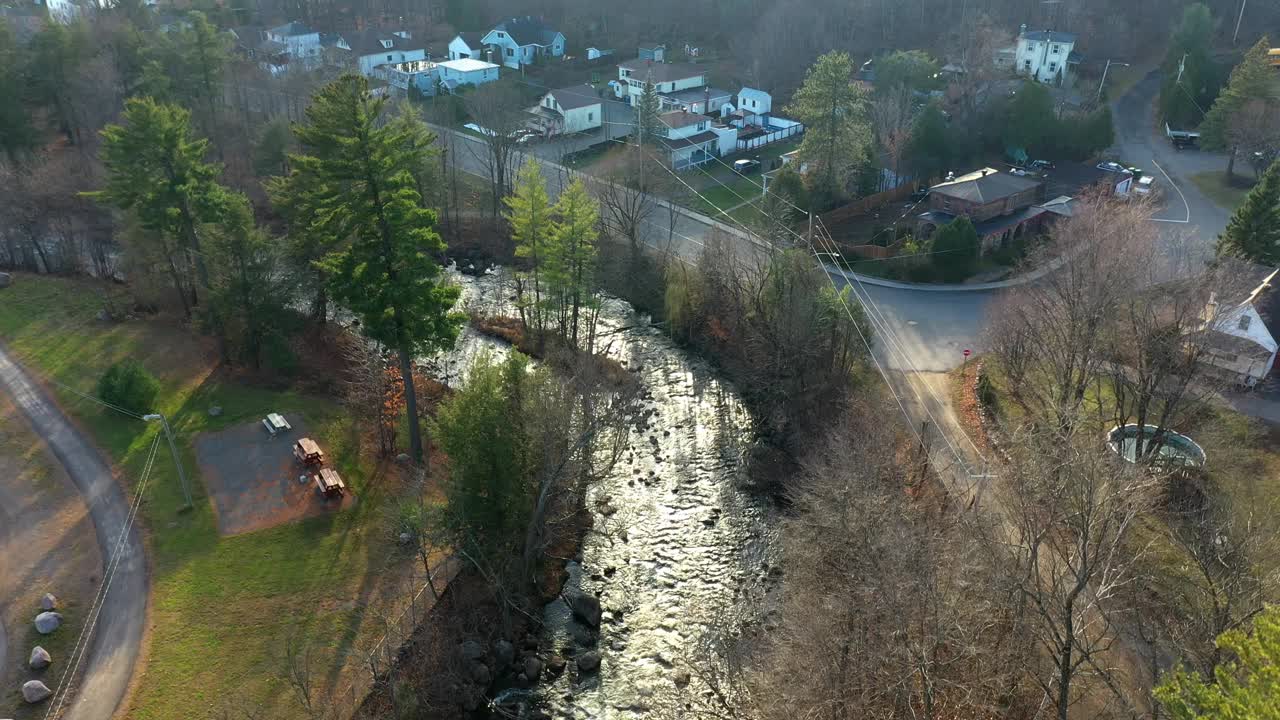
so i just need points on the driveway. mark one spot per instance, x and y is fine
(115, 644)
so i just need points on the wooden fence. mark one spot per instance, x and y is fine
(864, 205)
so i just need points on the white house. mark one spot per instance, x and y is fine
(524, 41)
(1244, 332)
(298, 41)
(569, 110)
(689, 139)
(368, 49)
(703, 100)
(754, 102)
(1046, 56)
(422, 75)
(467, 45)
(667, 78)
(466, 72)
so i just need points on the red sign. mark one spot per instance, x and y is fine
(967, 351)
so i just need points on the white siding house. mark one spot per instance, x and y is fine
(689, 139)
(569, 110)
(300, 42)
(1244, 335)
(369, 49)
(755, 102)
(1046, 56)
(467, 45)
(524, 41)
(62, 11)
(466, 72)
(667, 78)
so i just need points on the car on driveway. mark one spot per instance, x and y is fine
(744, 167)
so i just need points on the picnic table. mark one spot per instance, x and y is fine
(329, 483)
(275, 422)
(308, 452)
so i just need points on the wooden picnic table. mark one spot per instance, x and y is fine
(330, 483)
(308, 452)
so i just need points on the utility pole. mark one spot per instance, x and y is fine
(1182, 66)
(1104, 76)
(1236, 36)
(173, 449)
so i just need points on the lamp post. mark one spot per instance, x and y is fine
(173, 448)
(1104, 76)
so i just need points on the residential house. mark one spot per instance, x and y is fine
(689, 139)
(467, 45)
(301, 42)
(754, 103)
(667, 78)
(367, 49)
(1046, 56)
(63, 11)
(569, 110)
(1001, 206)
(524, 41)
(429, 77)
(654, 52)
(292, 46)
(1244, 328)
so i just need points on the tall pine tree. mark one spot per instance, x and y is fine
(529, 213)
(833, 111)
(1254, 231)
(1252, 80)
(354, 181)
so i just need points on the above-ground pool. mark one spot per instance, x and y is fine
(1177, 449)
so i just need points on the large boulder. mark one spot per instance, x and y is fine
(5, 280)
(589, 661)
(532, 667)
(556, 663)
(40, 658)
(586, 608)
(47, 622)
(504, 653)
(481, 675)
(49, 602)
(472, 650)
(34, 691)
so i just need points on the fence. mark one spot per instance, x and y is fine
(864, 205)
(343, 703)
(771, 137)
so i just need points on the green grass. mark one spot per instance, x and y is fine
(221, 607)
(1214, 185)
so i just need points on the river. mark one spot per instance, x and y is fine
(683, 559)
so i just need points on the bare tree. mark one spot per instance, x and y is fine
(1254, 131)
(496, 107)
(891, 116)
(298, 670)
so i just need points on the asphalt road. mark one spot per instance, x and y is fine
(116, 640)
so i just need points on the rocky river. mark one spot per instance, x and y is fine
(681, 556)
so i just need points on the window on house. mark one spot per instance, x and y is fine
(1244, 322)
(946, 204)
(1027, 64)
(1053, 67)
(388, 58)
(502, 35)
(510, 52)
(1054, 49)
(702, 126)
(591, 117)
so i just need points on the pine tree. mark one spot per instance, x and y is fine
(956, 248)
(649, 125)
(17, 133)
(834, 115)
(1243, 689)
(1252, 80)
(156, 168)
(1254, 230)
(571, 256)
(247, 294)
(352, 182)
(529, 213)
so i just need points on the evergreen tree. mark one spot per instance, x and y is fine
(912, 69)
(649, 127)
(1243, 689)
(156, 168)
(206, 51)
(956, 248)
(1030, 122)
(529, 213)
(1254, 230)
(55, 58)
(247, 295)
(1191, 77)
(571, 257)
(271, 151)
(1252, 80)
(834, 115)
(352, 182)
(929, 150)
(17, 133)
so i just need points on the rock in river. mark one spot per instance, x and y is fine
(504, 653)
(532, 668)
(47, 622)
(34, 691)
(589, 661)
(586, 608)
(472, 650)
(40, 658)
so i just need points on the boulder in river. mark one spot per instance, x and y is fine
(481, 675)
(40, 658)
(504, 653)
(555, 663)
(586, 608)
(49, 602)
(34, 691)
(589, 662)
(680, 678)
(532, 668)
(47, 622)
(472, 650)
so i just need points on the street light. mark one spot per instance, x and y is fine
(182, 474)
(1104, 76)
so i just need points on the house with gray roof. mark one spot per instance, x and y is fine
(1001, 206)
(369, 49)
(523, 41)
(568, 110)
(1047, 56)
(1242, 322)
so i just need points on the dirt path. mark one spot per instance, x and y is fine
(117, 639)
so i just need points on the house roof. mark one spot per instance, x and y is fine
(292, 29)
(472, 39)
(578, 96)
(692, 95)
(660, 72)
(1050, 36)
(369, 42)
(1247, 347)
(1061, 205)
(466, 65)
(699, 139)
(527, 30)
(995, 225)
(984, 186)
(680, 118)
(759, 96)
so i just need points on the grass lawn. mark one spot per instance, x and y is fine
(1213, 184)
(221, 608)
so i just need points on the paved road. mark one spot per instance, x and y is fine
(116, 642)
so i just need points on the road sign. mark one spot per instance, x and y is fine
(967, 352)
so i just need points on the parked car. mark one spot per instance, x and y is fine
(917, 196)
(1146, 185)
(1040, 165)
(743, 167)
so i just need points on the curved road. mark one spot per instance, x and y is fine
(116, 642)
